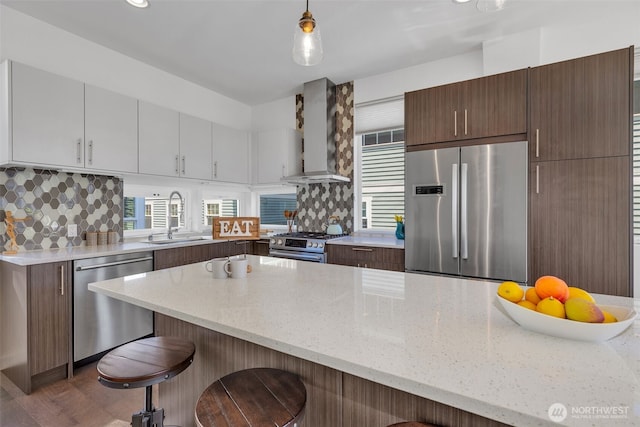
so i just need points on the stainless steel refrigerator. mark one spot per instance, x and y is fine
(466, 211)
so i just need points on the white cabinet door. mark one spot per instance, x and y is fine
(230, 154)
(47, 118)
(195, 147)
(158, 140)
(279, 154)
(111, 131)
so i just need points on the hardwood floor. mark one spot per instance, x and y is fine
(80, 401)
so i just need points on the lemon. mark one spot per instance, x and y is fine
(527, 304)
(510, 291)
(551, 307)
(608, 317)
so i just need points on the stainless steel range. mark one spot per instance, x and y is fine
(306, 246)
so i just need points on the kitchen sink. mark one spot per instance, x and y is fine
(174, 240)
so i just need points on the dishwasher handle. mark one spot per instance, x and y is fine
(111, 264)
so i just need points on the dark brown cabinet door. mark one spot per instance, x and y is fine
(49, 295)
(581, 108)
(366, 257)
(173, 257)
(429, 115)
(493, 106)
(580, 223)
(480, 108)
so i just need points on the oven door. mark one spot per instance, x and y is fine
(302, 256)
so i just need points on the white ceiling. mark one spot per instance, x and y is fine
(242, 48)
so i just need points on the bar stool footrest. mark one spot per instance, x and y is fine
(153, 418)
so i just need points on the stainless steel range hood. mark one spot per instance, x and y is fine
(320, 163)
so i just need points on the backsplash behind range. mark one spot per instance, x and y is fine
(317, 202)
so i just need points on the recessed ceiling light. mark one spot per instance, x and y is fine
(138, 3)
(461, 1)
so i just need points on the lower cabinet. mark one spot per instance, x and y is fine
(580, 221)
(366, 257)
(37, 351)
(173, 257)
(261, 247)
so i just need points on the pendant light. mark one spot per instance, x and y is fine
(307, 45)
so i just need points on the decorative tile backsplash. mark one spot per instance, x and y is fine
(317, 202)
(51, 201)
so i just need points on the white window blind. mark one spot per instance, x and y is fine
(380, 115)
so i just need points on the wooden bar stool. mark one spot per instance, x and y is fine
(143, 363)
(253, 397)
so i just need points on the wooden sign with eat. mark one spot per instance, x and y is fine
(236, 227)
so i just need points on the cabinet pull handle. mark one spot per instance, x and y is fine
(537, 142)
(455, 123)
(177, 164)
(78, 150)
(62, 280)
(283, 175)
(362, 249)
(215, 169)
(537, 179)
(184, 165)
(91, 152)
(465, 121)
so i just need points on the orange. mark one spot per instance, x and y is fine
(580, 293)
(532, 296)
(510, 291)
(551, 307)
(551, 286)
(527, 304)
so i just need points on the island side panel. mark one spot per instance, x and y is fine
(370, 404)
(333, 398)
(218, 355)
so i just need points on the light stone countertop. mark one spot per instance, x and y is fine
(81, 252)
(441, 338)
(374, 241)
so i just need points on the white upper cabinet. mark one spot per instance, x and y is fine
(111, 131)
(230, 154)
(279, 154)
(158, 140)
(195, 148)
(47, 118)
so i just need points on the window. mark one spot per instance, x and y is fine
(218, 207)
(380, 163)
(382, 179)
(636, 158)
(272, 207)
(150, 213)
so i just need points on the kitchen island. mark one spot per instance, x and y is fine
(374, 347)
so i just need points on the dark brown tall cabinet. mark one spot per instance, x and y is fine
(579, 140)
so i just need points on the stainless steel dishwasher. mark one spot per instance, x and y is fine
(101, 323)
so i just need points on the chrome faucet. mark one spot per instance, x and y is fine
(169, 230)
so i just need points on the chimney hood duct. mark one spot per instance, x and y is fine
(320, 163)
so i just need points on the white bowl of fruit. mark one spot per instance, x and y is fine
(553, 308)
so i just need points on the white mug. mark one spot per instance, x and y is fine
(237, 268)
(218, 268)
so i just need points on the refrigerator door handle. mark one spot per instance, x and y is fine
(454, 208)
(464, 244)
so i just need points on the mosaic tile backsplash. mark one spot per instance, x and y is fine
(51, 200)
(317, 202)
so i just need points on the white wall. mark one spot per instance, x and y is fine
(33, 42)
